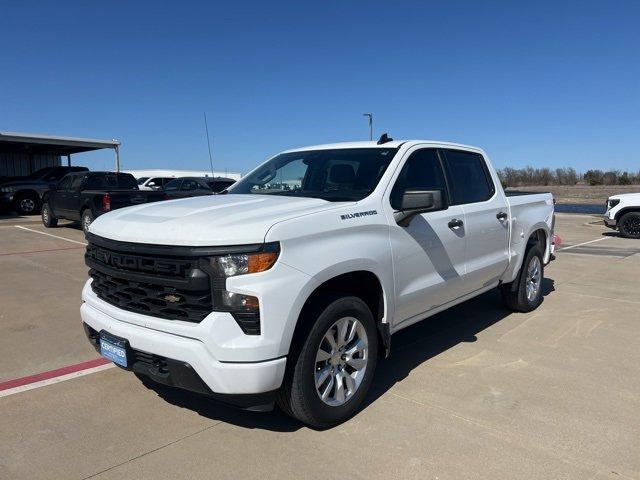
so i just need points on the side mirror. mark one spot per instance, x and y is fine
(415, 202)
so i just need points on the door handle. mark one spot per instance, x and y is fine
(455, 223)
(502, 216)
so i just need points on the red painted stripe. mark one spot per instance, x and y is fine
(19, 382)
(40, 251)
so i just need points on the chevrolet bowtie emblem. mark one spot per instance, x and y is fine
(171, 298)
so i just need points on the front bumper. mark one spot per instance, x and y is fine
(6, 200)
(232, 378)
(610, 222)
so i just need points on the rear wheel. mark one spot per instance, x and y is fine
(87, 219)
(629, 225)
(48, 219)
(524, 294)
(329, 374)
(27, 203)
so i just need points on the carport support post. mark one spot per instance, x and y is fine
(117, 149)
(68, 160)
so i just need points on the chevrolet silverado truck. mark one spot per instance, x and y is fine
(84, 196)
(623, 214)
(289, 287)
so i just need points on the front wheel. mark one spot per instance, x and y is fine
(330, 373)
(48, 219)
(524, 294)
(87, 219)
(629, 225)
(27, 204)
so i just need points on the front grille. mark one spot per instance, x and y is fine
(145, 264)
(162, 286)
(152, 299)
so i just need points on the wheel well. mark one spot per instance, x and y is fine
(626, 210)
(362, 284)
(27, 193)
(538, 236)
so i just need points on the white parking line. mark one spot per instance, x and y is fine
(50, 235)
(583, 243)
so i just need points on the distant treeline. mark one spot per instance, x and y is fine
(518, 177)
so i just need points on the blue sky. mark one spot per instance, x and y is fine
(540, 83)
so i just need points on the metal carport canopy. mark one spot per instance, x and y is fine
(17, 142)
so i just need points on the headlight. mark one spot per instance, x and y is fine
(7, 189)
(240, 264)
(613, 203)
(244, 308)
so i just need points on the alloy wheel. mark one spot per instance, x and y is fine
(341, 361)
(27, 205)
(631, 226)
(534, 277)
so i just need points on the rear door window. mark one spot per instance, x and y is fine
(468, 176)
(96, 182)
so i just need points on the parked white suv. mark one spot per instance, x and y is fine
(290, 286)
(623, 214)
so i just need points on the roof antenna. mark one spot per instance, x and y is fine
(206, 128)
(384, 138)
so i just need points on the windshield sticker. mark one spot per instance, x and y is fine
(349, 216)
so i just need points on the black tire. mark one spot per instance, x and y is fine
(514, 294)
(629, 225)
(48, 219)
(298, 396)
(27, 203)
(86, 219)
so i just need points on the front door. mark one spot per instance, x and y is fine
(428, 253)
(59, 205)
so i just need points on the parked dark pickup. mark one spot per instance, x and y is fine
(24, 194)
(84, 196)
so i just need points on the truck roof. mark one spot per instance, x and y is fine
(374, 144)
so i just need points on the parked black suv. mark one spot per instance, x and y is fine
(84, 196)
(196, 186)
(24, 194)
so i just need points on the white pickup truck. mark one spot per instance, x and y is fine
(289, 286)
(623, 214)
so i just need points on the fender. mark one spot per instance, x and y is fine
(516, 260)
(334, 271)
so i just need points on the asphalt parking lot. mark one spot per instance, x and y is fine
(474, 392)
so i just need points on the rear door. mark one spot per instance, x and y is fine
(486, 222)
(428, 253)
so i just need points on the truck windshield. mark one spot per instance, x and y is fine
(337, 175)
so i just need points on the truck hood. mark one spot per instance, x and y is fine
(626, 196)
(205, 221)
